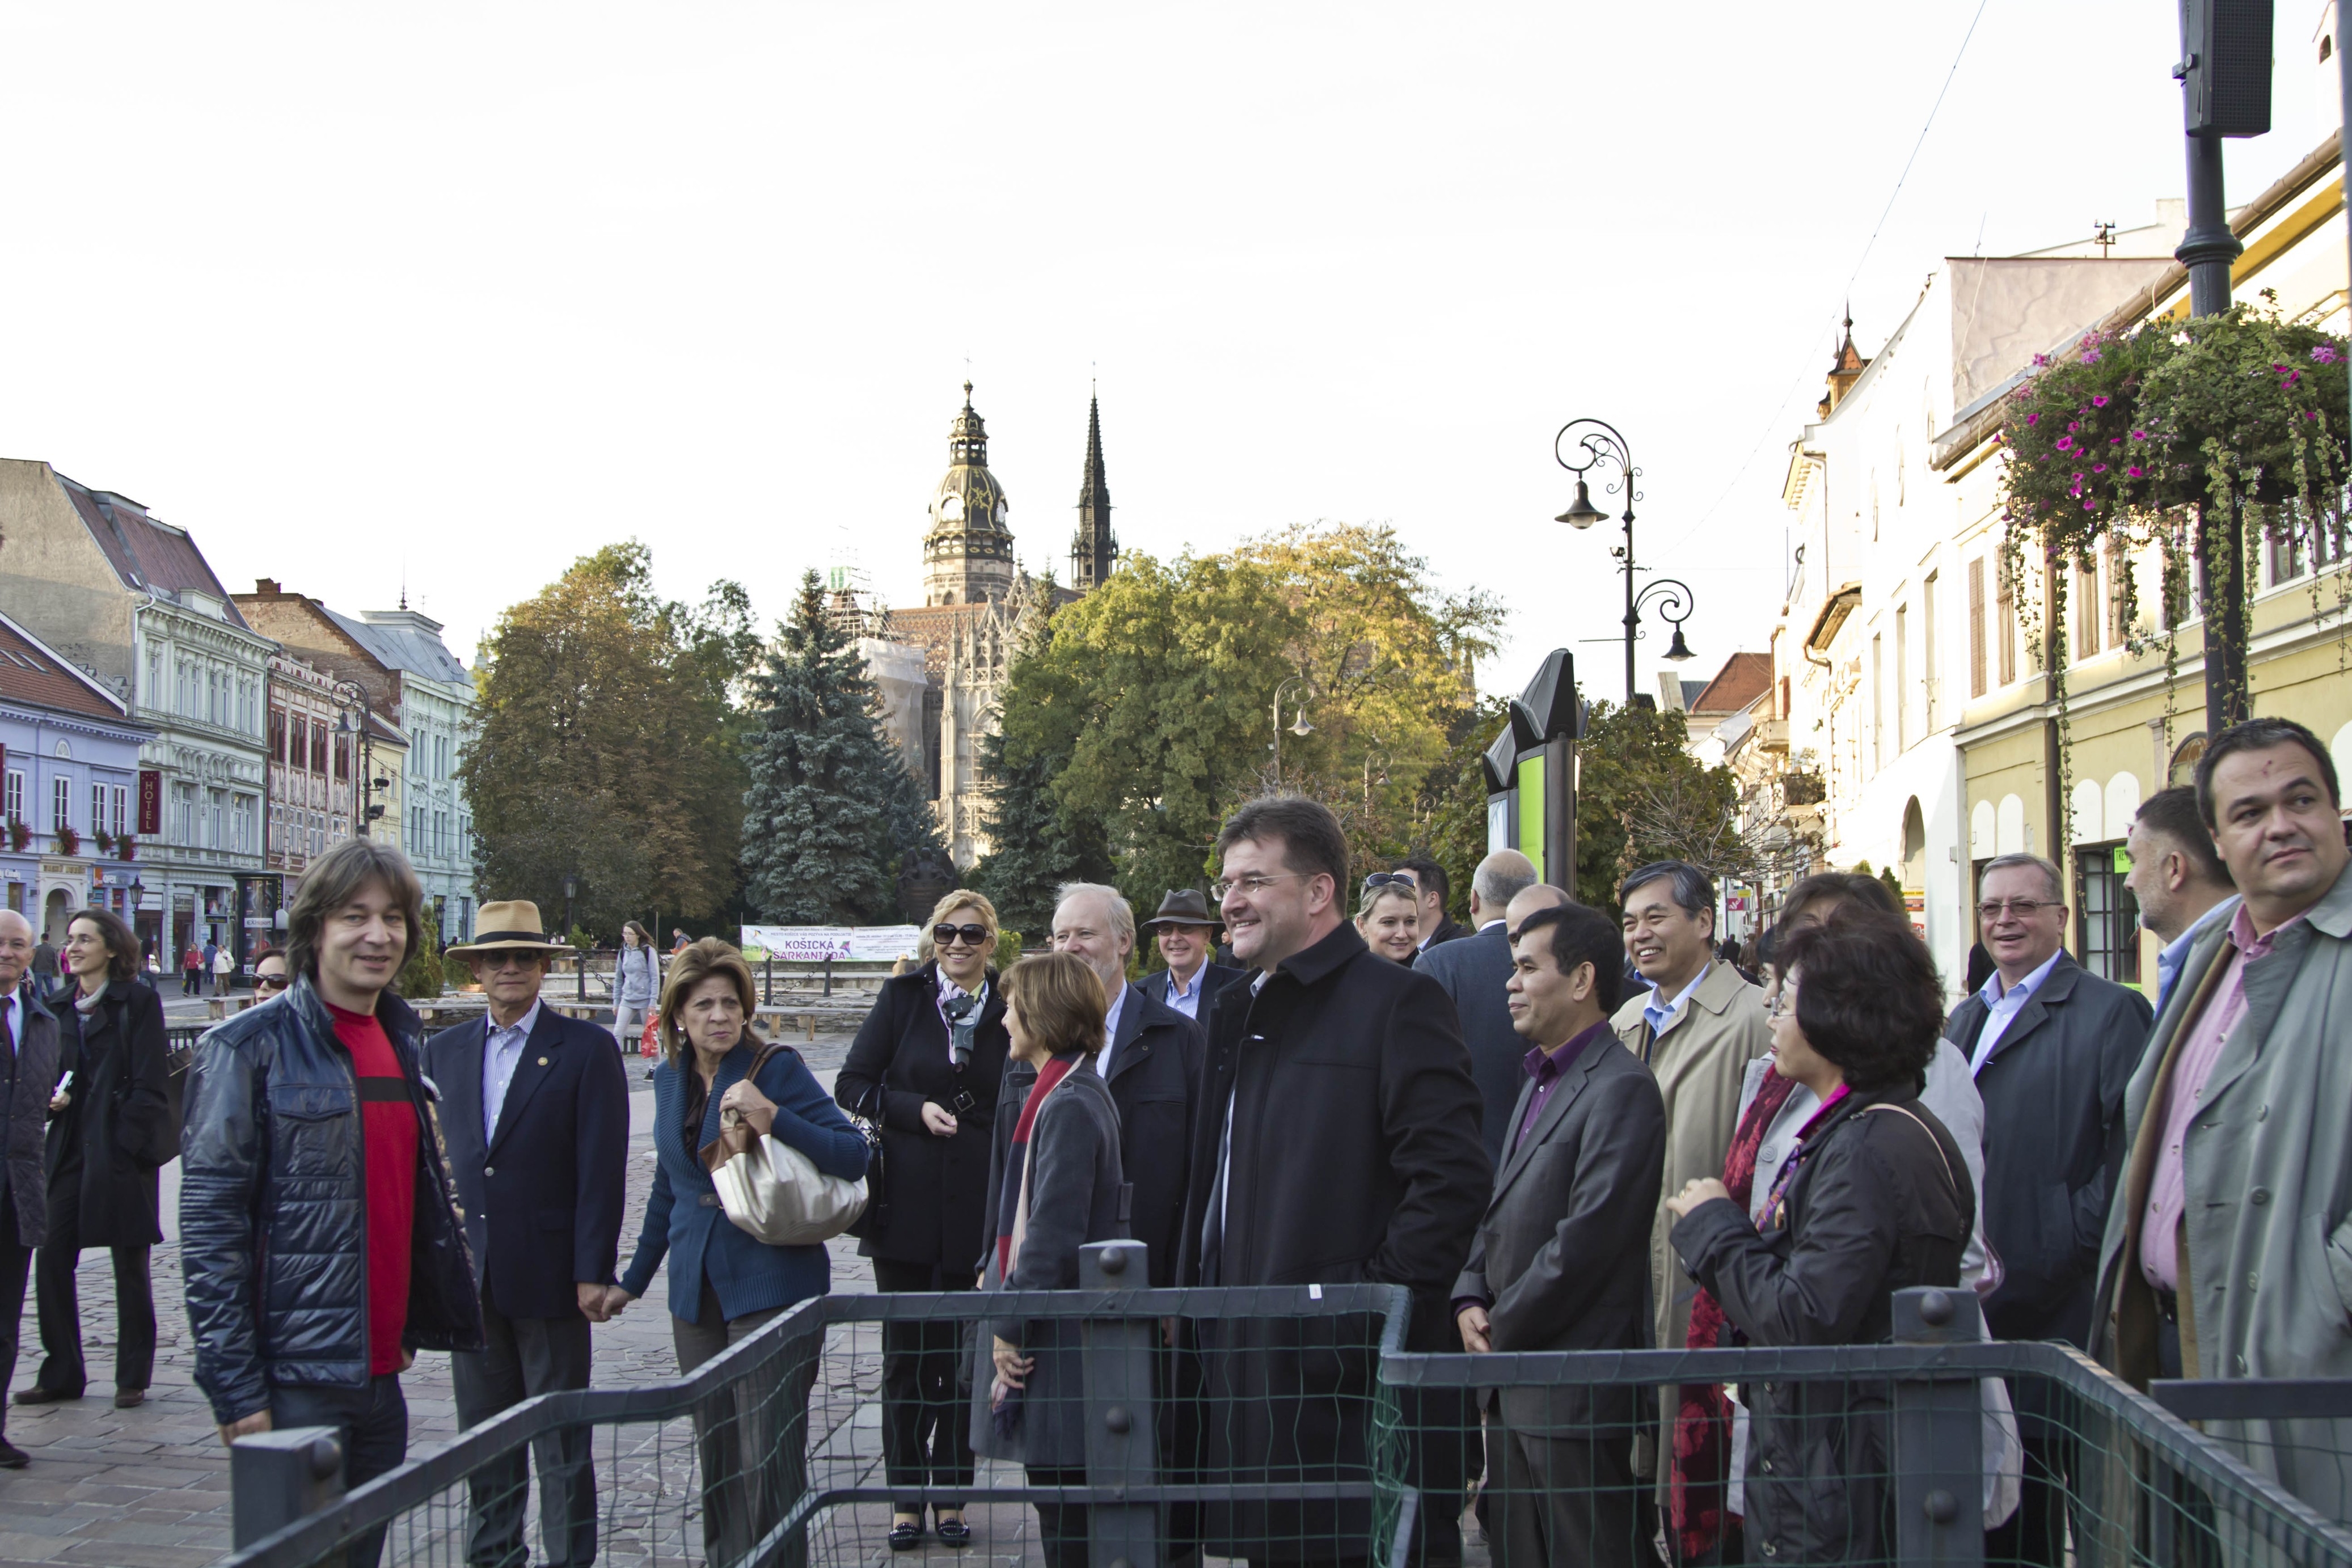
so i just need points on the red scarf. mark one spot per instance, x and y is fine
(1702, 1457)
(1012, 1218)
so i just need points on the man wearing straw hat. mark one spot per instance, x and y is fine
(535, 1108)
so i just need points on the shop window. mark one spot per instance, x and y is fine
(2106, 916)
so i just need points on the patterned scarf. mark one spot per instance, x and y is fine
(1702, 1457)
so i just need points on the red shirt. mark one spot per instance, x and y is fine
(388, 1137)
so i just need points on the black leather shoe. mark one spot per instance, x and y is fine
(36, 1395)
(13, 1458)
(954, 1532)
(906, 1537)
(129, 1398)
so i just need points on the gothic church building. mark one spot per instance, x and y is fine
(941, 667)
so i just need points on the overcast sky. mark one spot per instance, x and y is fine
(460, 293)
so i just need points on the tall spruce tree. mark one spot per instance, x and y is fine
(1040, 843)
(816, 823)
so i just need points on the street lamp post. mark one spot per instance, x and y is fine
(356, 720)
(1298, 724)
(1599, 443)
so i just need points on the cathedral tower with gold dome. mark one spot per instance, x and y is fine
(968, 552)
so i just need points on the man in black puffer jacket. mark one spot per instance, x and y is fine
(318, 1231)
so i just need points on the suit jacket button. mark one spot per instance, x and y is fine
(1764, 1154)
(2259, 1196)
(489, 1170)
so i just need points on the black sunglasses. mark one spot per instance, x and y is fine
(973, 936)
(270, 982)
(1385, 878)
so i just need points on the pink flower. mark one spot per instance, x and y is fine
(2089, 505)
(2033, 419)
(2098, 467)
(2137, 471)
(2066, 442)
(2040, 358)
(2139, 435)
(2321, 355)
(2091, 357)
(2100, 400)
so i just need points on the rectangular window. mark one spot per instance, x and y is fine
(2005, 629)
(122, 808)
(278, 734)
(318, 746)
(1877, 703)
(16, 795)
(1927, 658)
(97, 808)
(1902, 679)
(2090, 608)
(1977, 628)
(60, 804)
(2107, 928)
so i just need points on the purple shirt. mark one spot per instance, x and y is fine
(1548, 1068)
(2168, 1190)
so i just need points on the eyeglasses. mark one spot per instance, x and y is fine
(2023, 908)
(270, 982)
(945, 935)
(1391, 879)
(1251, 884)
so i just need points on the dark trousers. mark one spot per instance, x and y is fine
(525, 1356)
(59, 1299)
(752, 1442)
(1062, 1526)
(15, 1264)
(1567, 1499)
(926, 1437)
(188, 981)
(372, 1424)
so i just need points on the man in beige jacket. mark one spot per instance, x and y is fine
(1697, 1026)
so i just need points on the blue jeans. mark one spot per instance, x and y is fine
(372, 1424)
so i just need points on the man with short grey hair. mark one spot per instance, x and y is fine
(1475, 972)
(2053, 1048)
(1150, 1057)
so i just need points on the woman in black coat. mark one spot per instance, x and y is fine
(926, 1065)
(1875, 1200)
(105, 1148)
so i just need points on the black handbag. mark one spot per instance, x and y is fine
(868, 1119)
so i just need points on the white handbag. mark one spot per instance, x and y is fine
(772, 1191)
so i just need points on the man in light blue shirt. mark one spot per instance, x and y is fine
(502, 1051)
(1183, 928)
(2178, 879)
(2004, 1005)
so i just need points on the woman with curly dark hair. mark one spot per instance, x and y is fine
(1875, 1200)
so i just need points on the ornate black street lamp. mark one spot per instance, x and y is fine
(355, 719)
(1598, 442)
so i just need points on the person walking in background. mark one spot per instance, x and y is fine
(678, 940)
(1434, 925)
(1338, 1138)
(1387, 917)
(2239, 1157)
(2053, 1048)
(207, 968)
(925, 1067)
(535, 1116)
(318, 1256)
(223, 970)
(2176, 878)
(724, 1283)
(44, 972)
(105, 1150)
(1150, 1057)
(1561, 1260)
(1185, 931)
(1054, 1183)
(30, 1058)
(1476, 972)
(192, 968)
(637, 984)
(1875, 1200)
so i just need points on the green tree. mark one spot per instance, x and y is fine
(1040, 843)
(1643, 797)
(606, 749)
(817, 816)
(1452, 829)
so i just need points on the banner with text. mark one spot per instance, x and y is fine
(815, 943)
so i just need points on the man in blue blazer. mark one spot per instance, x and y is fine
(1185, 929)
(535, 1114)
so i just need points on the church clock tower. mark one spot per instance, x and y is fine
(968, 553)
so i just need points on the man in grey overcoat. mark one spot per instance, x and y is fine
(2229, 1253)
(1561, 1258)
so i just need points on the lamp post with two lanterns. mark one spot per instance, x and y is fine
(1598, 442)
(355, 721)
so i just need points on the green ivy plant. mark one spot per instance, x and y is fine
(2169, 435)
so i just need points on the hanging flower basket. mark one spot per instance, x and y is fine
(69, 841)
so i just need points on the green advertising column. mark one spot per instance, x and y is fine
(1531, 773)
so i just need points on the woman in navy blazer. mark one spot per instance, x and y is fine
(723, 1284)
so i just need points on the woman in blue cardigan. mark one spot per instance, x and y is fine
(724, 1285)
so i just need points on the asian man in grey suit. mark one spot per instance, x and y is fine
(1562, 1259)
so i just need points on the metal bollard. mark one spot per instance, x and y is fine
(277, 1477)
(1939, 1436)
(828, 976)
(767, 981)
(1122, 1433)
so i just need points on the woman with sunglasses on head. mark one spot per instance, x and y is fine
(925, 1068)
(106, 1146)
(1388, 916)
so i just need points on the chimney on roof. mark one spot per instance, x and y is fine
(266, 585)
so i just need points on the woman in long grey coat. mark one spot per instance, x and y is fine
(1053, 1184)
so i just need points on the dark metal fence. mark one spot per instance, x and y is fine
(1285, 1423)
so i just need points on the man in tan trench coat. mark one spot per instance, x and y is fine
(2229, 1253)
(1697, 1026)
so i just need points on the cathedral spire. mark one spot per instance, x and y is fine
(1093, 549)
